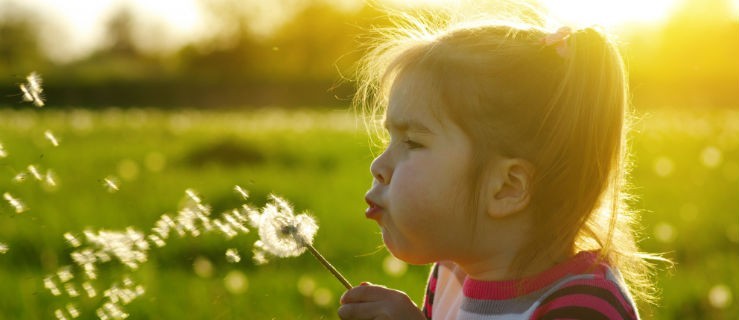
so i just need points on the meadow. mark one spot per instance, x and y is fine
(685, 178)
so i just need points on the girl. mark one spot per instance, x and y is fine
(505, 169)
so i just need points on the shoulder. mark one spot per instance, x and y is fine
(600, 297)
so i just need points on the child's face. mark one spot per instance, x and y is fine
(420, 187)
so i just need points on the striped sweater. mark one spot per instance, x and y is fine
(580, 288)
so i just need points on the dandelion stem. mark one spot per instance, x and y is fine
(327, 265)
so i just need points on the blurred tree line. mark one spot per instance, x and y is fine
(692, 60)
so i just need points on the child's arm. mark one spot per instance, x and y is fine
(369, 301)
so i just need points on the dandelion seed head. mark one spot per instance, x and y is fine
(3, 153)
(3, 248)
(50, 136)
(281, 233)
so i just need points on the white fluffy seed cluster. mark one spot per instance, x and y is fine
(32, 90)
(281, 232)
(130, 248)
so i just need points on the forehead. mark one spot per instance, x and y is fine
(414, 102)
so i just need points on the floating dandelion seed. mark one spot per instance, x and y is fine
(111, 184)
(51, 286)
(65, 274)
(15, 203)
(35, 172)
(232, 255)
(71, 289)
(50, 136)
(238, 189)
(20, 177)
(32, 89)
(59, 314)
(89, 289)
(72, 240)
(72, 310)
(283, 234)
(192, 196)
(50, 179)
(129, 247)
(3, 248)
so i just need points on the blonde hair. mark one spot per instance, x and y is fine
(516, 97)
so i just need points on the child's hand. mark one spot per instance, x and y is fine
(369, 301)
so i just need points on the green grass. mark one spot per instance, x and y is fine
(319, 161)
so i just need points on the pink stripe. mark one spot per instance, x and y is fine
(579, 300)
(583, 263)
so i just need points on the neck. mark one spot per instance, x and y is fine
(497, 244)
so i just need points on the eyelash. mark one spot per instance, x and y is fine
(412, 144)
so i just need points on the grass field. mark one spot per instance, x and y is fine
(686, 176)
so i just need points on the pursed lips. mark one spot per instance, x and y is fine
(374, 211)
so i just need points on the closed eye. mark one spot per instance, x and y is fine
(412, 144)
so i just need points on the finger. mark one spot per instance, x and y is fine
(365, 293)
(361, 310)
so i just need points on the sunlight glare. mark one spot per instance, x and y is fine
(608, 13)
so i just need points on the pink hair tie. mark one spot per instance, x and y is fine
(558, 40)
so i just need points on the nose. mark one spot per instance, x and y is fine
(381, 169)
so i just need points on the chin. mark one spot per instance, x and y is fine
(408, 256)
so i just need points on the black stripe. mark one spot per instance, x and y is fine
(580, 313)
(601, 293)
(429, 293)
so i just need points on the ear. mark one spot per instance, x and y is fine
(509, 186)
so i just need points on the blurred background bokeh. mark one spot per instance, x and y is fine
(205, 94)
(222, 53)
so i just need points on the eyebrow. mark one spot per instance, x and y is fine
(406, 125)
